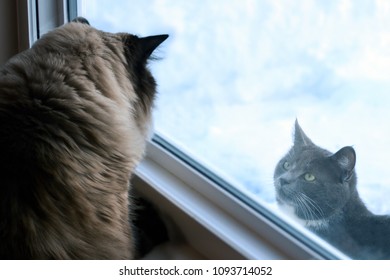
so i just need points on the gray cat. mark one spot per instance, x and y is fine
(318, 188)
(75, 112)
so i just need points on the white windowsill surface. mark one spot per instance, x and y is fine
(198, 219)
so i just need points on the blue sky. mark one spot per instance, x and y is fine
(235, 75)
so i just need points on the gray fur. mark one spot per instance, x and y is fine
(318, 188)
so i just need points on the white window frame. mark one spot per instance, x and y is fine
(212, 220)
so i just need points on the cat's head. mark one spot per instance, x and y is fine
(137, 51)
(116, 63)
(314, 183)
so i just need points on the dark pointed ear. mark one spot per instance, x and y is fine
(346, 159)
(81, 20)
(148, 44)
(300, 138)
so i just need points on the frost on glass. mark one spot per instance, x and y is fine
(236, 74)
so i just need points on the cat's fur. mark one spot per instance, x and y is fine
(319, 189)
(75, 111)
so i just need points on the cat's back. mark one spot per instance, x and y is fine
(372, 233)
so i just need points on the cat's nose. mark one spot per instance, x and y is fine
(283, 182)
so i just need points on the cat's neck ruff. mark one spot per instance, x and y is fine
(313, 224)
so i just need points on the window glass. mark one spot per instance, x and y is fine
(236, 74)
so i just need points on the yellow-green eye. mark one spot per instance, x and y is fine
(286, 165)
(309, 177)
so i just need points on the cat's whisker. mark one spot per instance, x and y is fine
(312, 215)
(268, 183)
(314, 205)
(303, 207)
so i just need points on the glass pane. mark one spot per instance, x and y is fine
(235, 76)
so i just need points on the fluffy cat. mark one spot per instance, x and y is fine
(319, 189)
(74, 115)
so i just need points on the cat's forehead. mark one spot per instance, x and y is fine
(307, 155)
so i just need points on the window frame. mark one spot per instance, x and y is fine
(212, 219)
(36, 17)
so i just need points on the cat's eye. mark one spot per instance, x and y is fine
(286, 165)
(309, 177)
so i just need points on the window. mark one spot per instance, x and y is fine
(235, 75)
(35, 18)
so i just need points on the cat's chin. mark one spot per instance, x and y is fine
(290, 212)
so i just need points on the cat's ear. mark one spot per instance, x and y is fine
(300, 138)
(81, 20)
(346, 159)
(148, 44)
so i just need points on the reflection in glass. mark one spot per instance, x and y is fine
(318, 189)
